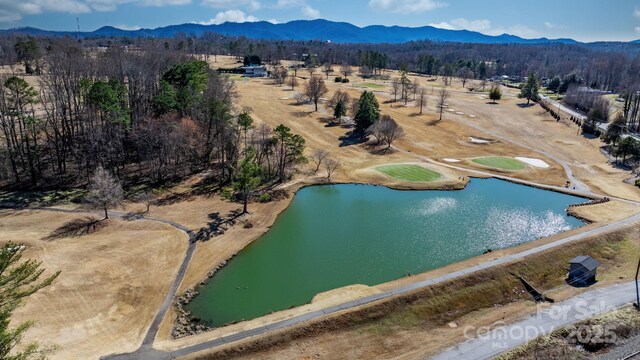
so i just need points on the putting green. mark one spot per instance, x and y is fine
(500, 162)
(409, 172)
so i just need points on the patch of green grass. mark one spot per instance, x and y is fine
(371, 85)
(500, 162)
(238, 77)
(413, 173)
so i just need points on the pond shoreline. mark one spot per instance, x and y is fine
(295, 187)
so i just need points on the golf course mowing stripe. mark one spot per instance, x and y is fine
(500, 162)
(413, 173)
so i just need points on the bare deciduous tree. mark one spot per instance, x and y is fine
(339, 96)
(327, 68)
(148, 199)
(422, 98)
(389, 129)
(386, 130)
(292, 81)
(364, 72)
(396, 85)
(315, 89)
(346, 70)
(104, 191)
(317, 156)
(465, 74)
(330, 165)
(279, 75)
(415, 88)
(443, 95)
(300, 98)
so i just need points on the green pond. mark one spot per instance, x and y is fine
(336, 235)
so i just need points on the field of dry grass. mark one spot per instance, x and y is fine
(113, 280)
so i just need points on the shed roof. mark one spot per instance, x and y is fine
(587, 261)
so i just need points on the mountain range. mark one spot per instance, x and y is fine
(338, 32)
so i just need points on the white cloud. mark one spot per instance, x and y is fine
(406, 6)
(289, 3)
(253, 5)
(161, 3)
(443, 25)
(273, 21)
(310, 13)
(549, 25)
(236, 16)
(636, 12)
(13, 10)
(127, 27)
(637, 29)
(484, 26)
(106, 5)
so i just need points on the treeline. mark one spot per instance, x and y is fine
(151, 114)
(608, 66)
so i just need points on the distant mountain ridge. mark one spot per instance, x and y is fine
(339, 32)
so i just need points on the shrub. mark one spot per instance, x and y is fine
(345, 80)
(338, 79)
(227, 193)
(264, 198)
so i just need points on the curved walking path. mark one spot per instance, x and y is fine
(146, 352)
(583, 306)
(147, 342)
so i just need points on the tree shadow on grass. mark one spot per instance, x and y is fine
(351, 138)
(175, 198)
(301, 114)
(218, 224)
(78, 227)
(133, 215)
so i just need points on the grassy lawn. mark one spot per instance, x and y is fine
(371, 85)
(501, 163)
(238, 77)
(409, 172)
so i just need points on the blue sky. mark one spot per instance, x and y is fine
(584, 20)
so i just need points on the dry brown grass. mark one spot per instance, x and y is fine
(114, 277)
(563, 344)
(112, 280)
(416, 325)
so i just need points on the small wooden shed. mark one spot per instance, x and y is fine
(582, 271)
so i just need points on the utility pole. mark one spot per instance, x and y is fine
(78, 23)
(637, 304)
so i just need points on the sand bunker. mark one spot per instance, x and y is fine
(472, 116)
(451, 110)
(533, 162)
(451, 160)
(459, 113)
(478, 141)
